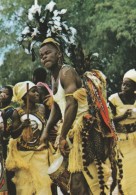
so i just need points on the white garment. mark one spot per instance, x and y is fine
(121, 108)
(60, 99)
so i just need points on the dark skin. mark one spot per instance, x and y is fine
(43, 97)
(5, 97)
(127, 96)
(19, 126)
(70, 81)
(43, 93)
(5, 100)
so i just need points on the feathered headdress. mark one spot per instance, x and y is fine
(47, 21)
(43, 22)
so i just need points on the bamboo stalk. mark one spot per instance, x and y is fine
(27, 101)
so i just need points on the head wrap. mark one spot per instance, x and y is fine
(51, 40)
(48, 99)
(46, 87)
(20, 89)
(131, 74)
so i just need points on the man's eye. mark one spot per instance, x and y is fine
(47, 52)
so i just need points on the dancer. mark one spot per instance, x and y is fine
(28, 122)
(71, 106)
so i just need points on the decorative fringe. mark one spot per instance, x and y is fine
(85, 139)
(14, 160)
(25, 171)
(80, 95)
(120, 170)
(75, 156)
(114, 176)
(100, 172)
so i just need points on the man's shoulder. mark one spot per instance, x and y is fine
(67, 69)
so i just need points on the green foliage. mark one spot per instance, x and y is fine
(108, 27)
(104, 26)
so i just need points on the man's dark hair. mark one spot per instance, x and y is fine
(39, 75)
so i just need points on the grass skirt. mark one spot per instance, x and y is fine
(30, 170)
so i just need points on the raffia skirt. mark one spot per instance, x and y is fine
(30, 170)
(76, 160)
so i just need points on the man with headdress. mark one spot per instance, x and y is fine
(78, 138)
(71, 106)
(123, 105)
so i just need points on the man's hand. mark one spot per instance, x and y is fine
(63, 147)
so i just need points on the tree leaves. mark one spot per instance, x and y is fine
(106, 27)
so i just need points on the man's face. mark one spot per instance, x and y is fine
(49, 56)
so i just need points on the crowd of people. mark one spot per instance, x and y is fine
(67, 135)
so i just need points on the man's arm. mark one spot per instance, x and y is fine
(69, 115)
(54, 117)
(70, 82)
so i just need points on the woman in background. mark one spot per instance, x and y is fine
(7, 109)
(123, 106)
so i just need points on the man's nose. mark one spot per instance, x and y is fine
(44, 56)
(3, 95)
(36, 93)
